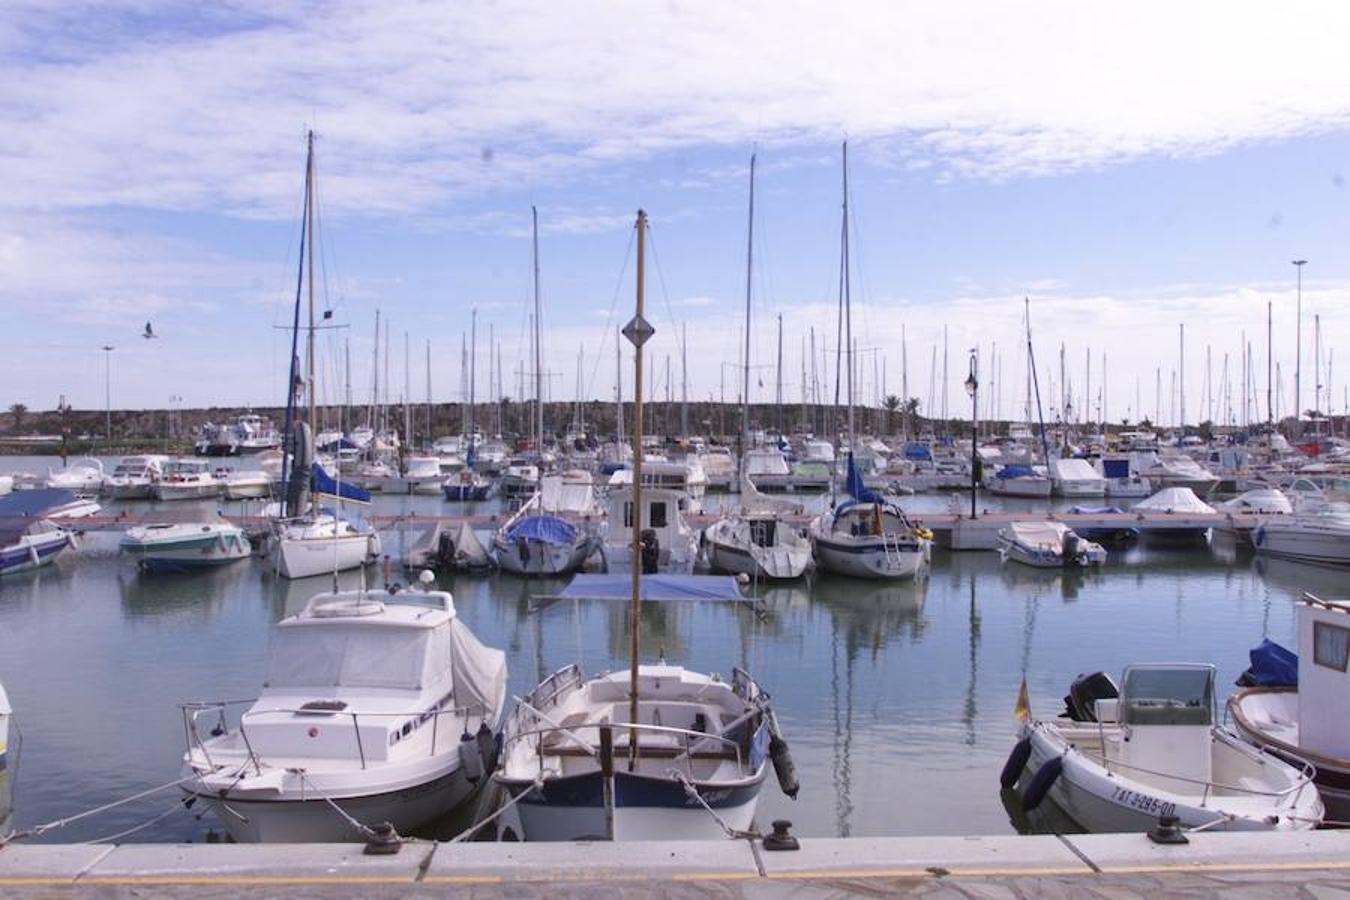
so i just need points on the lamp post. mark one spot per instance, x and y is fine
(973, 389)
(107, 388)
(1298, 344)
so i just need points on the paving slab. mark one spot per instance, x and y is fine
(593, 861)
(1242, 850)
(311, 862)
(50, 861)
(903, 856)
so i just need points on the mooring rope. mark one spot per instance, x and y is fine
(38, 830)
(472, 829)
(692, 793)
(359, 826)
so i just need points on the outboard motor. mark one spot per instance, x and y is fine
(651, 552)
(445, 553)
(1069, 546)
(1080, 705)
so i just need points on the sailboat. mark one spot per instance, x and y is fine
(307, 540)
(755, 541)
(866, 536)
(657, 752)
(540, 540)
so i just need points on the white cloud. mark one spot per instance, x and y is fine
(144, 105)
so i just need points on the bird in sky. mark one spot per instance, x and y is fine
(149, 332)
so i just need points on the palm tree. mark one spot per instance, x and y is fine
(892, 403)
(16, 412)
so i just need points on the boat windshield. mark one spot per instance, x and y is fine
(1168, 695)
(347, 656)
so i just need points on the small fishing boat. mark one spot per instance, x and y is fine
(383, 704)
(1048, 545)
(467, 486)
(1119, 760)
(185, 545)
(1296, 705)
(187, 479)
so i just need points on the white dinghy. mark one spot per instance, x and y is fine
(1123, 762)
(1048, 545)
(383, 705)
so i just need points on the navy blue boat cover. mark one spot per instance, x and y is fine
(1116, 468)
(327, 484)
(34, 504)
(546, 529)
(1273, 666)
(1015, 471)
(857, 487)
(659, 588)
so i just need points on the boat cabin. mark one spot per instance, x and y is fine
(1166, 713)
(1323, 676)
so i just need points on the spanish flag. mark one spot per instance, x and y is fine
(1022, 709)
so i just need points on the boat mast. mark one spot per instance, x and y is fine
(635, 603)
(745, 359)
(473, 386)
(538, 364)
(309, 341)
(289, 444)
(618, 390)
(848, 299)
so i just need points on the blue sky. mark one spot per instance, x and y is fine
(1129, 169)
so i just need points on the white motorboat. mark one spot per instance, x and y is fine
(383, 704)
(1121, 761)
(695, 732)
(1076, 478)
(767, 469)
(30, 543)
(1322, 538)
(1176, 472)
(685, 476)
(421, 475)
(1261, 501)
(185, 546)
(719, 467)
(246, 485)
(1178, 501)
(187, 479)
(868, 536)
(1048, 545)
(1017, 481)
(134, 477)
(1301, 714)
(375, 475)
(669, 544)
(519, 481)
(83, 475)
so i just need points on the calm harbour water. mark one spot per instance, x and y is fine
(896, 699)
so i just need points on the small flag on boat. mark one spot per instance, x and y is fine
(1022, 709)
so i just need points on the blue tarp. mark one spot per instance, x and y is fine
(917, 450)
(1273, 666)
(1015, 472)
(1116, 468)
(659, 588)
(34, 504)
(326, 484)
(547, 529)
(340, 444)
(856, 487)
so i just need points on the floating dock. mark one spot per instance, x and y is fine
(1283, 864)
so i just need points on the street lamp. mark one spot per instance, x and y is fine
(1298, 346)
(973, 389)
(107, 387)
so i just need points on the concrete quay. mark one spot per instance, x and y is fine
(1313, 865)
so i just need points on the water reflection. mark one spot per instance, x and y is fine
(198, 594)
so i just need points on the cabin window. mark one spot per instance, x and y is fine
(628, 515)
(1331, 646)
(657, 516)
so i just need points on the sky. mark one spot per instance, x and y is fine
(1129, 169)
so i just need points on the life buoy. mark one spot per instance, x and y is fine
(1041, 783)
(1017, 761)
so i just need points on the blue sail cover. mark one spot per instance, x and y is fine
(856, 487)
(546, 529)
(1015, 471)
(1273, 665)
(658, 588)
(327, 484)
(34, 504)
(917, 450)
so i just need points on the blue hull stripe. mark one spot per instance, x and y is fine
(639, 791)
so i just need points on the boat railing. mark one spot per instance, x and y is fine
(1307, 771)
(688, 738)
(548, 690)
(192, 712)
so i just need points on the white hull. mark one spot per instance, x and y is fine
(129, 490)
(305, 557)
(773, 563)
(248, 490)
(1019, 487)
(873, 561)
(1080, 488)
(170, 490)
(563, 823)
(1325, 546)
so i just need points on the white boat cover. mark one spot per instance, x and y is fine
(1038, 534)
(1174, 500)
(559, 496)
(469, 550)
(1073, 470)
(1260, 500)
(4, 707)
(753, 501)
(479, 672)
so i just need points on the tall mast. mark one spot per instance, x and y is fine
(407, 390)
(430, 436)
(473, 371)
(538, 356)
(371, 422)
(618, 388)
(684, 380)
(848, 299)
(1270, 353)
(778, 392)
(1181, 379)
(745, 359)
(635, 602)
(309, 262)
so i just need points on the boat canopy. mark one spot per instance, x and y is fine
(1271, 666)
(658, 588)
(546, 529)
(1175, 500)
(918, 451)
(34, 504)
(327, 484)
(1016, 471)
(1116, 468)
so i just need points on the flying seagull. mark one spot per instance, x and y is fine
(149, 332)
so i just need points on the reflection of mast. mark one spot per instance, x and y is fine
(842, 774)
(969, 713)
